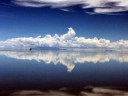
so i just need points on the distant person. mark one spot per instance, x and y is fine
(30, 49)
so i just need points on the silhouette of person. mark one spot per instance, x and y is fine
(30, 49)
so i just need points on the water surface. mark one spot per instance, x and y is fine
(63, 72)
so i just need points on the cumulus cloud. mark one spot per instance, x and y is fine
(68, 40)
(99, 6)
(69, 58)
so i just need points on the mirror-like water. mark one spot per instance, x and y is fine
(63, 73)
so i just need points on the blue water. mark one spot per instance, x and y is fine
(72, 70)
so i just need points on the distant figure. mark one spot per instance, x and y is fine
(30, 49)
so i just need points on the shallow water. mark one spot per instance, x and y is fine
(63, 73)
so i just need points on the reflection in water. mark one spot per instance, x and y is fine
(67, 57)
(19, 79)
(94, 92)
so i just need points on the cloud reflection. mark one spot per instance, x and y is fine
(95, 92)
(68, 58)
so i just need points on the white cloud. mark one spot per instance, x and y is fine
(66, 10)
(99, 6)
(66, 40)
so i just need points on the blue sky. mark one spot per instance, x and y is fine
(18, 20)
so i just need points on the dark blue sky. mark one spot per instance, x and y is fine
(17, 21)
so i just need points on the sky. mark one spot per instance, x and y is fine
(94, 21)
